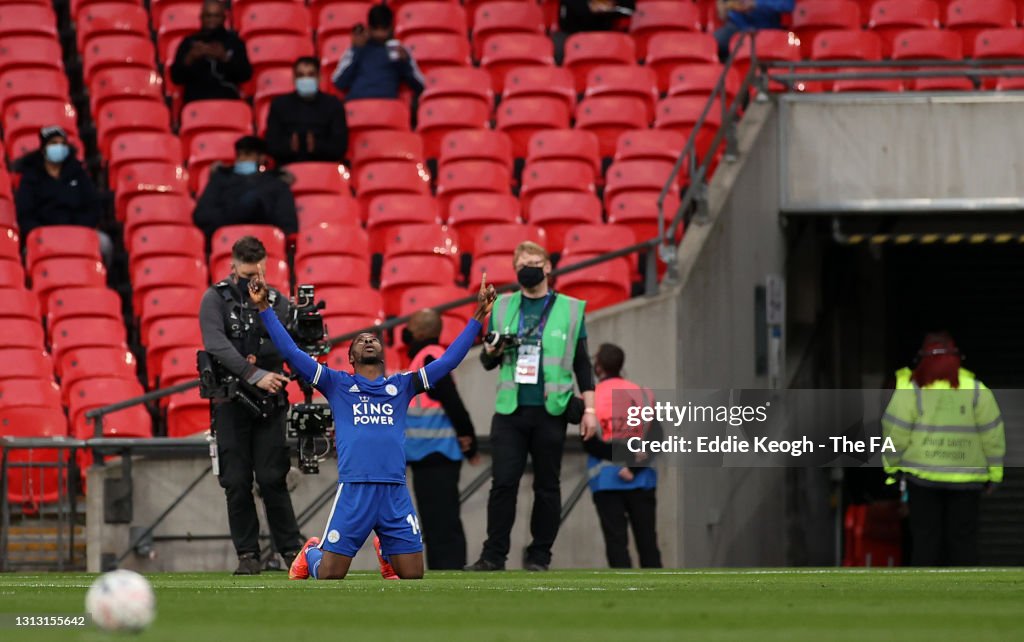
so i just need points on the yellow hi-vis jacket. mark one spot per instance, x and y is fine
(944, 435)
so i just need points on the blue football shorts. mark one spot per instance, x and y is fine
(361, 507)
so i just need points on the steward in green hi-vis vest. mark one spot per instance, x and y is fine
(944, 436)
(558, 348)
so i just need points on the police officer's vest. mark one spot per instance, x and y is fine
(244, 330)
(604, 475)
(558, 347)
(942, 434)
(428, 429)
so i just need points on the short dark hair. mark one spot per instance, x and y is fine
(307, 60)
(250, 144)
(380, 17)
(610, 357)
(248, 249)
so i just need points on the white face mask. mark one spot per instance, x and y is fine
(306, 86)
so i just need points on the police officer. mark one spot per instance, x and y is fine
(948, 434)
(248, 446)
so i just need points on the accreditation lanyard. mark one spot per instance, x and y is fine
(528, 357)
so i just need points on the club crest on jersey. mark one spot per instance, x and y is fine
(391, 389)
(372, 414)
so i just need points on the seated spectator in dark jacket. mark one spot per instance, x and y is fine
(376, 64)
(212, 62)
(307, 125)
(594, 15)
(55, 189)
(748, 15)
(246, 193)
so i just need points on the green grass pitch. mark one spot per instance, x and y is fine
(565, 606)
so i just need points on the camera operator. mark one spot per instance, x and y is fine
(250, 445)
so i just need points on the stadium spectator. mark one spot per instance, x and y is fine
(594, 15)
(376, 64)
(540, 341)
(947, 432)
(623, 485)
(439, 435)
(247, 193)
(55, 189)
(250, 447)
(212, 62)
(748, 15)
(307, 124)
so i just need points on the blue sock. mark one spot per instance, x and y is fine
(313, 557)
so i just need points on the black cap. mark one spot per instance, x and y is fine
(250, 144)
(51, 131)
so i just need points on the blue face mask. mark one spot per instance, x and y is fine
(245, 167)
(306, 86)
(57, 152)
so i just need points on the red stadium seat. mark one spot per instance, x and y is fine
(23, 333)
(652, 144)
(143, 146)
(639, 212)
(133, 421)
(165, 240)
(441, 116)
(422, 239)
(316, 210)
(587, 51)
(597, 239)
(209, 148)
(29, 393)
(12, 275)
(556, 212)
(159, 271)
(889, 18)
(8, 218)
(319, 178)
(815, 16)
(202, 116)
(333, 271)
(167, 334)
(999, 43)
(272, 18)
(852, 44)
(32, 84)
(60, 241)
(30, 52)
(471, 212)
(57, 273)
(70, 303)
(84, 364)
(424, 16)
(772, 45)
(86, 332)
(332, 240)
(387, 146)
(78, 5)
(664, 17)
(504, 17)
(681, 114)
(390, 177)
(27, 20)
(625, 177)
(555, 176)
(499, 271)
(337, 18)
(477, 145)
(504, 52)
(168, 303)
(600, 285)
(104, 52)
(10, 243)
(404, 272)
(26, 117)
(277, 50)
(927, 44)
(521, 118)
(172, 24)
(371, 113)
(31, 487)
(224, 239)
(125, 116)
(147, 178)
(177, 366)
(968, 18)
(19, 304)
(433, 296)
(502, 238)
(623, 81)
(548, 82)
(458, 82)
(269, 84)
(110, 19)
(566, 145)
(331, 50)
(359, 300)
(667, 51)
(702, 79)
(21, 362)
(609, 117)
(433, 51)
(388, 212)
(156, 209)
(187, 414)
(470, 176)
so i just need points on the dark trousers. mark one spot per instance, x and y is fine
(616, 508)
(250, 449)
(530, 430)
(435, 482)
(943, 526)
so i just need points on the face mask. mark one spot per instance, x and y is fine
(57, 152)
(306, 86)
(245, 167)
(530, 276)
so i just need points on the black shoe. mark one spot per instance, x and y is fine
(484, 565)
(534, 566)
(248, 564)
(289, 557)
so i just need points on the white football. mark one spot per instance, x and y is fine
(121, 600)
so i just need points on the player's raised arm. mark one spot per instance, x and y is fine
(304, 364)
(456, 352)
